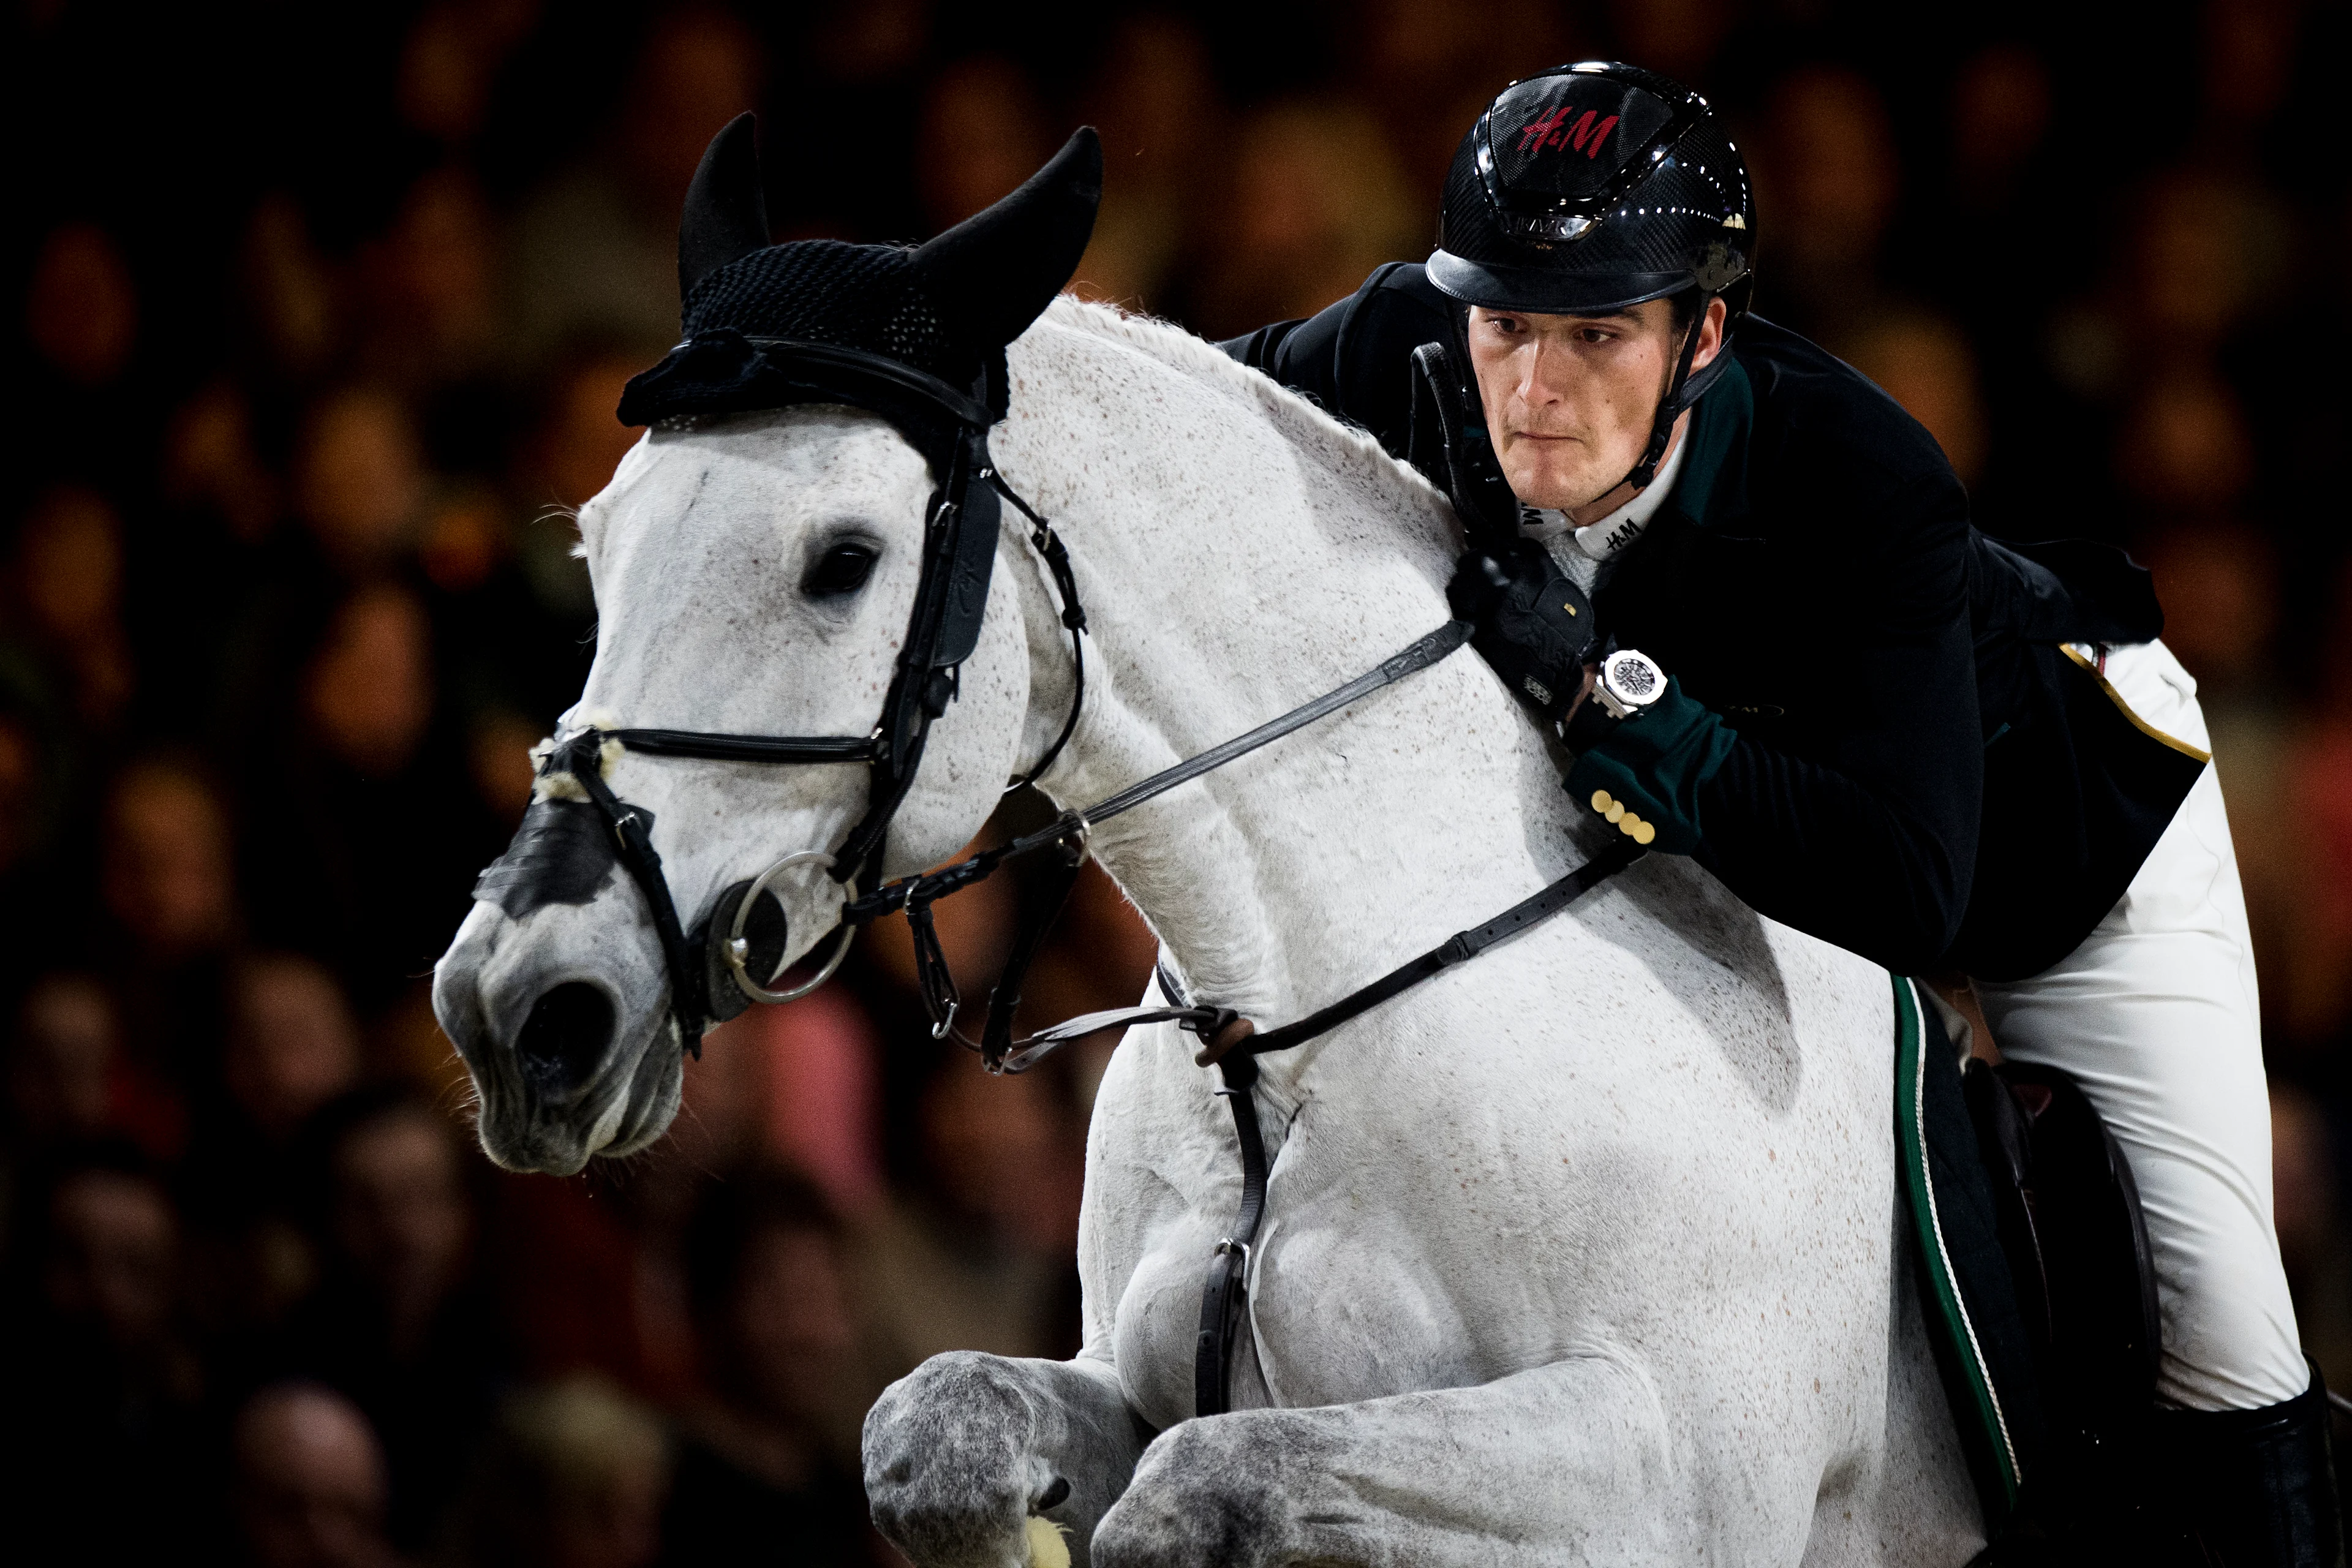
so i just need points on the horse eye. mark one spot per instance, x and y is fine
(841, 570)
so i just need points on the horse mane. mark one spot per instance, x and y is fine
(1304, 421)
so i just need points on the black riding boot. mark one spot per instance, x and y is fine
(2257, 1486)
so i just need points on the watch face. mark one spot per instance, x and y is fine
(1632, 679)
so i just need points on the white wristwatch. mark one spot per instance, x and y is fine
(1629, 682)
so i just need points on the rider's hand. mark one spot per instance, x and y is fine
(1478, 584)
(1532, 624)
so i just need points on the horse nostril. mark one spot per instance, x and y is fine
(564, 1037)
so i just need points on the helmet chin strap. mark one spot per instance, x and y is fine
(1670, 406)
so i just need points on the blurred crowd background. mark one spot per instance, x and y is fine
(319, 317)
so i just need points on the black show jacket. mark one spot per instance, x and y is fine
(1921, 774)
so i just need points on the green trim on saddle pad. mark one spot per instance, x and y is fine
(1965, 1353)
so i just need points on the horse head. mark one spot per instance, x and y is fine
(759, 567)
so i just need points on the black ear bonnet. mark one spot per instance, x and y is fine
(944, 310)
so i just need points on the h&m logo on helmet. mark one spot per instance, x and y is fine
(1552, 130)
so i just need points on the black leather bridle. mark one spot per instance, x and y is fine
(708, 974)
(708, 978)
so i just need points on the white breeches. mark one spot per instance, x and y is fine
(2155, 1016)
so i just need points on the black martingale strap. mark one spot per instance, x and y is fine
(1225, 1297)
(1046, 905)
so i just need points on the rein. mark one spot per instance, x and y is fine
(1069, 832)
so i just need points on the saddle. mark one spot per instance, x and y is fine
(2040, 1293)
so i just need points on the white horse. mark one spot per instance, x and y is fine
(1587, 1251)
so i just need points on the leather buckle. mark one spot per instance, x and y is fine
(1220, 1034)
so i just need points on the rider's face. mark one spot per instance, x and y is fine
(1569, 399)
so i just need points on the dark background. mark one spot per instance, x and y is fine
(320, 314)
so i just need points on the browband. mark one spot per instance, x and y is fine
(836, 368)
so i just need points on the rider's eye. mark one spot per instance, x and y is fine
(840, 570)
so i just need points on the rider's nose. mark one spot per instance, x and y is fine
(565, 1036)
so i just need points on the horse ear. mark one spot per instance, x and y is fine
(993, 273)
(726, 212)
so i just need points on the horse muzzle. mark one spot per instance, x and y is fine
(565, 1036)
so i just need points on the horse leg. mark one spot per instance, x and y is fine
(962, 1451)
(1566, 1463)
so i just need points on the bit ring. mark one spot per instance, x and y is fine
(735, 950)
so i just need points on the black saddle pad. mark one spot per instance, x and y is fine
(1974, 1323)
(2035, 1269)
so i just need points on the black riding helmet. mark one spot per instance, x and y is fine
(1593, 188)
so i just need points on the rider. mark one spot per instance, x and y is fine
(1869, 720)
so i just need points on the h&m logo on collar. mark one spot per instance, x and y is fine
(1553, 130)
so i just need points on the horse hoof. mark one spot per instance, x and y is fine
(950, 1470)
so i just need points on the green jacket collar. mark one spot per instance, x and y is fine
(1713, 488)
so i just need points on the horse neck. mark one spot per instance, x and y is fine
(1238, 556)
